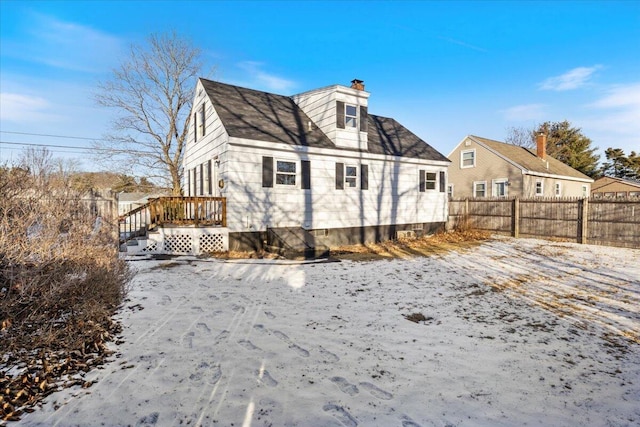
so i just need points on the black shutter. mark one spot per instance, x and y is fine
(201, 179)
(203, 120)
(364, 118)
(195, 127)
(305, 166)
(340, 114)
(364, 177)
(422, 182)
(339, 176)
(443, 183)
(267, 171)
(210, 183)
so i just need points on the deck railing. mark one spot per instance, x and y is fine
(173, 210)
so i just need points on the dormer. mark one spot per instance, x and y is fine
(340, 112)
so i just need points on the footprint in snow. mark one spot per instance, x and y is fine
(203, 327)
(376, 391)
(260, 328)
(266, 379)
(187, 340)
(148, 420)
(345, 386)
(301, 351)
(340, 414)
(408, 422)
(238, 308)
(270, 315)
(248, 345)
(166, 300)
(282, 336)
(328, 356)
(222, 336)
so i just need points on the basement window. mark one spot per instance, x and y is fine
(285, 172)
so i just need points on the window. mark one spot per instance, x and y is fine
(499, 187)
(539, 188)
(351, 176)
(558, 189)
(634, 193)
(285, 172)
(609, 194)
(450, 191)
(479, 189)
(430, 183)
(351, 116)
(467, 159)
(621, 194)
(584, 191)
(427, 181)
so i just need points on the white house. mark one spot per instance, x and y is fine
(316, 161)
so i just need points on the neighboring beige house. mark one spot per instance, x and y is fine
(482, 167)
(608, 187)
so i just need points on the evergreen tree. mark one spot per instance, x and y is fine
(567, 144)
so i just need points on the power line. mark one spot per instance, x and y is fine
(75, 147)
(52, 136)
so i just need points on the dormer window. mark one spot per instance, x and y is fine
(351, 116)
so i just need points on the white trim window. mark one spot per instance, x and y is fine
(350, 116)
(499, 187)
(557, 191)
(286, 172)
(450, 191)
(350, 176)
(480, 189)
(468, 159)
(539, 187)
(585, 191)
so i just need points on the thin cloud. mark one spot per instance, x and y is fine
(463, 44)
(526, 112)
(262, 79)
(572, 79)
(65, 45)
(618, 112)
(20, 108)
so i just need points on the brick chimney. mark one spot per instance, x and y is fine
(541, 144)
(357, 84)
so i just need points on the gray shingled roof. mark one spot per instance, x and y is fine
(528, 159)
(262, 116)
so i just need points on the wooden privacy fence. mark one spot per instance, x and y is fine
(594, 221)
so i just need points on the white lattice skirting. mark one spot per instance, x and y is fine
(188, 241)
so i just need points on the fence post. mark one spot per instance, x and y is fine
(583, 206)
(515, 217)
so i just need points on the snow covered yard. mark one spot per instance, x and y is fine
(516, 332)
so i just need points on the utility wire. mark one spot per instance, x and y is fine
(75, 147)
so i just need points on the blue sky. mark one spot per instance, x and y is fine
(443, 69)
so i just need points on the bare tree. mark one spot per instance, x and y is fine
(152, 93)
(521, 136)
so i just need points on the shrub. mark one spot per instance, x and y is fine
(60, 276)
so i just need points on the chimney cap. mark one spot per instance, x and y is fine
(357, 84)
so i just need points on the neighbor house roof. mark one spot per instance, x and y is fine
(609, 180)
(263, 116)
(527, 159)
